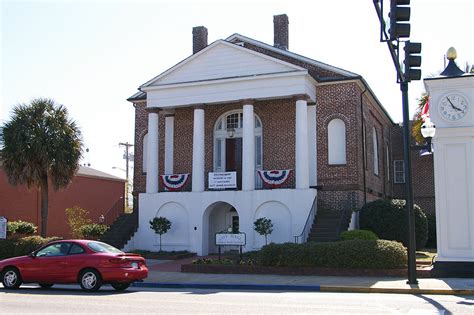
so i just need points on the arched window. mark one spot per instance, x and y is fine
(337, 142)
(376, 151)
(230, 125)
(144, 151)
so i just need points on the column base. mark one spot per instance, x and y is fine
(453, 269)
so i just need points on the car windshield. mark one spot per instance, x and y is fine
(99, 247)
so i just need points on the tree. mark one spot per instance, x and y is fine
(160, 225)
(77, 217)
(417, 120)
(40, 146)
(263, 226)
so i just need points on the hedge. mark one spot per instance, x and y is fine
(380, 254)
(93, 231)
(358, 235)
(22, 246)
(389, 220)
(21, 228)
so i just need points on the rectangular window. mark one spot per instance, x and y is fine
(218, 154)
(387, 162)
(399, 172)
(258, 152)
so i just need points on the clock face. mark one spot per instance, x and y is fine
(453, 107)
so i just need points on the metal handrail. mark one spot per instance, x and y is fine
(307, 227)
(106, 216)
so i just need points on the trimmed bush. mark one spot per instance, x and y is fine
(358, 235)
(21, 228)
(369, 254)
(22, 246)
(93, 231)
(389, 220)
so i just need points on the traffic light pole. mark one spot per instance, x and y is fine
(409, 186)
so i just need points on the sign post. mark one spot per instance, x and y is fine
(3, 227)
(230, 239)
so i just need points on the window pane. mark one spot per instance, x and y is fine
(232, 121)
(258, 152)
(376, 151)
(399, 171)
(219, 153)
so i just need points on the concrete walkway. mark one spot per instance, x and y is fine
(166, 274)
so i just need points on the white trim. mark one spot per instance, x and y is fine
(169, 144)
(216, 43)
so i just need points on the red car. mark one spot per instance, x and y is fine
(89, 263)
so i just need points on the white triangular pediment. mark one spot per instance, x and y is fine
(222, 60)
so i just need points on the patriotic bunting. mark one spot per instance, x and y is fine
(174, 182)
(274, 178)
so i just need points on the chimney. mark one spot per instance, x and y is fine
(280, 31)
(199, 38)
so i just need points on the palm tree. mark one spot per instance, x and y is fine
(417, 119)
(38, 146)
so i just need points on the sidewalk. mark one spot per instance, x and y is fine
(166, 274)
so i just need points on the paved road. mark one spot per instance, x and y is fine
(70, 300)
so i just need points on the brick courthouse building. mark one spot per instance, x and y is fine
(295, 134)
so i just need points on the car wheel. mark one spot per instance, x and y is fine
(11, 278)
(120, 286)
(90, 280)
(45, 285)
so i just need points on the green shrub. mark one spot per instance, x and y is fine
(7, 248)
(389, 220)
(348, 254)
(358, 235)
(77, 217)
(21, 228)
(93, 231)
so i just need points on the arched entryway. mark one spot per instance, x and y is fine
(218, 217)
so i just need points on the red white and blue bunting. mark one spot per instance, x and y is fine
(274, 178)
(174, 182)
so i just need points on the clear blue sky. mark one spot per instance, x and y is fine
(92, 55)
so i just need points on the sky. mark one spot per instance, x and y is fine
(91, 56)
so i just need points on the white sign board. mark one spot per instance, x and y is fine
(230, 239)
(3, 228)
(222, 180)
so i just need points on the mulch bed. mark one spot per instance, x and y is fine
(301, 271)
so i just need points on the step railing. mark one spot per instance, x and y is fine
(303, 237)
(113, 213)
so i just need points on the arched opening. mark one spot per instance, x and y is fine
(218, 217)
(228, 144)
(336, 142)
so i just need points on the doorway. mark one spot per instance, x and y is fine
(233, 161)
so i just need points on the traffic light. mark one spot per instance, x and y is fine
(412, 61)
(399, 11)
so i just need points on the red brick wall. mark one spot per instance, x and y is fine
(93, 194)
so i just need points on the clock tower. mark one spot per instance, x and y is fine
(451, 110)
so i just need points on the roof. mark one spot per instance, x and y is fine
(90, 172)
(139, 96)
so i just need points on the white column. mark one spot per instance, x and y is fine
(152, 154)
(301, 147)
(312, 152)
(198, 150)
(169, 145)
(248, 147)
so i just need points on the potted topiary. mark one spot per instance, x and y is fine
(263, 226)
(160, 225)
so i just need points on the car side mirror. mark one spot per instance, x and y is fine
(32, 255)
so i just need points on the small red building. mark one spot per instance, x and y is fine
(97, 192)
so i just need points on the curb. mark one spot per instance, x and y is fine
(258, 287)
(301, 288)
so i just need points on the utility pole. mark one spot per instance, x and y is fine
(127, 159)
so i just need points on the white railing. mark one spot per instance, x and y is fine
(303, 237)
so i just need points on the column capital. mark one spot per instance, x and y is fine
(199, 106)
(247, 101)
(301, 97)
(153, 110)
